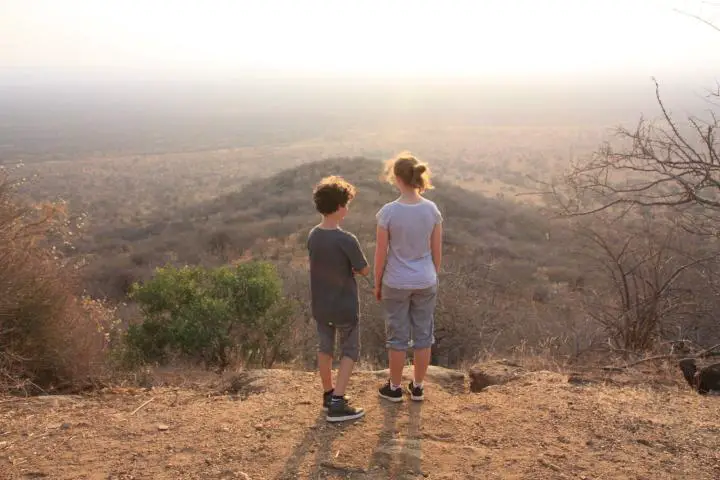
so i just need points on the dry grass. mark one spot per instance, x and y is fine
(49, 338)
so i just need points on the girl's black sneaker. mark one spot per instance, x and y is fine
(388, 393)
(416, 393)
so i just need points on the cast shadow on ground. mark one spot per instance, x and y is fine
(399, 455)
(318, 441)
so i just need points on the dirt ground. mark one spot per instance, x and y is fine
(537, 427)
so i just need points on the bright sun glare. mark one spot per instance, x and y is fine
(459, 37)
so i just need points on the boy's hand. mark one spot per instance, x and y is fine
(364, 272)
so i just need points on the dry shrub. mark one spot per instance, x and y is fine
(49, 338)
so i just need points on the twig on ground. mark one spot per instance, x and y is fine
(708, 351)
(142, 406)
(643, 360)
(704, 353)
(342, 468)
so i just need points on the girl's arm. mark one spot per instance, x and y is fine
(436, 246)
(381, 247)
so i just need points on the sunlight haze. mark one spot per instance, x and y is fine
(370, 38)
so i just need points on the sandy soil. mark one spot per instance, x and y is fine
(537, 427)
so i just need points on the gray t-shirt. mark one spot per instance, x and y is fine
(410, 226)
(334, 254)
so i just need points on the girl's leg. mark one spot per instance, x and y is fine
(397, 362)
(422, 318)
(421, 361)
(397, 308)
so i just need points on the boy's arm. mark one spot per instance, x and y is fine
(358, 262)
(381, 246)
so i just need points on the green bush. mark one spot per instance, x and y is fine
(211, 315)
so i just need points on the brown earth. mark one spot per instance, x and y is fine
(539, 426)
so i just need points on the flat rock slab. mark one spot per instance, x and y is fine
(447, 378)
(500, 372)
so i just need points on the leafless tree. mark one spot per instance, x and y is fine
(633, 203)
(657, 165)
(664, 163)
(647, 286)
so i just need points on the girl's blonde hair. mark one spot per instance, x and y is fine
(411, 171)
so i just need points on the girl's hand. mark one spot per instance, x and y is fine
(378, 293)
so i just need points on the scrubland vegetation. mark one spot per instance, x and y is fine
(203, 269)
(183, 241)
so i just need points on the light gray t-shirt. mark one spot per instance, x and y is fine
(409, 261)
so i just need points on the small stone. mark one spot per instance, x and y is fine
(243, 476)
(248, 435)
(64, 426)
(162, 427)
(259, 427)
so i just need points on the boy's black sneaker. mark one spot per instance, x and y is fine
(341, 411)
(327, 398)
(388, 393)
(416, 393)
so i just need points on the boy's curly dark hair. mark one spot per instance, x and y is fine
(331, 193)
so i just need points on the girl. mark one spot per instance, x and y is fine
(407, 261)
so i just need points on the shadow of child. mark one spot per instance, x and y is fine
(319, 440)
(396, 455)
(411, 453)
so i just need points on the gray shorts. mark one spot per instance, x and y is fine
(410, 315)
(349, 339)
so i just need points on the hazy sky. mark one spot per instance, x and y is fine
(371, 37)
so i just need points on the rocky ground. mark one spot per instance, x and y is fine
(269, 425)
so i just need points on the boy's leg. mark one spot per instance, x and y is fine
(326, 347)
(350, 348)
(340, 410)
(422, 318)
(325, 369)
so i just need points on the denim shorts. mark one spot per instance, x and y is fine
(410, 317)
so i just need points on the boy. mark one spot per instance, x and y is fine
(335, 258)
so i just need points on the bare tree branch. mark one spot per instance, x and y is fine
(699, 18)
